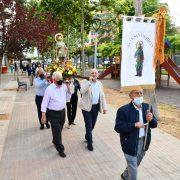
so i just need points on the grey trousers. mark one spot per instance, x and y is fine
(133, 162)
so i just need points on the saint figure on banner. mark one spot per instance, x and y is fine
(139, 55)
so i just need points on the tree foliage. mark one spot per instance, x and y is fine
(24, 25)
(23, 28)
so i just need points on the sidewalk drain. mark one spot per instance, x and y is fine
(4, 117)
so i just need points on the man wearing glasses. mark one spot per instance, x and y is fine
(131, 121)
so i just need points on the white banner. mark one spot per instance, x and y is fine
(138, 44)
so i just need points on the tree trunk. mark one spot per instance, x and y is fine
(88, 60)
(68, 32)
(1, 58)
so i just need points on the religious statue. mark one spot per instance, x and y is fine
(139, 55)
(61, 63)
(61, 49)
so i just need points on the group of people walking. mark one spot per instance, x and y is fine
(54, 97)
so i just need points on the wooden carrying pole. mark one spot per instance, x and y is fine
(150, 93)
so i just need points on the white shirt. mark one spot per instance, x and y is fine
(141, 130)
(55, 98)
(95, 92)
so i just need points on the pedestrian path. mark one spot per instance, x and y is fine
(7, 98)
(28, 153)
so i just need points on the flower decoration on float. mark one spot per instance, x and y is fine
(67, 69)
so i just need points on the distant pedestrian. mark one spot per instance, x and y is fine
(41, 84)
(11, 67)
(92, 101)
(15, 68)
(53, 106)
(131, 121)
(31, 74)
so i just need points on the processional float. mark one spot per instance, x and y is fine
(61, 63)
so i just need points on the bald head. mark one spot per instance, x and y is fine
(136, 93)
(94, 73)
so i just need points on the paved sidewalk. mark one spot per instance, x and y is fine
(29, 154)
(7, 98)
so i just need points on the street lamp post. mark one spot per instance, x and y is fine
(95, 52)
(96, 26)
(82, 39)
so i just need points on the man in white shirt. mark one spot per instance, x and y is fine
(92, 101)
(53, 107)
(131, 121)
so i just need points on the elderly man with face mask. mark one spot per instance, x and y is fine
(131, 121)
(92, 101)
(53, 107)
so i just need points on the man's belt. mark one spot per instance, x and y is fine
(56, 110)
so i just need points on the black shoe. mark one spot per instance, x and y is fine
(62, 154)
(90, 147)
(122, 177)
(47, 125)
(42, 126)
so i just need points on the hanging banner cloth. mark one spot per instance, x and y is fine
(160, 34)
(138, 50)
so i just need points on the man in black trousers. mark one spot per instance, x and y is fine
(53, 105)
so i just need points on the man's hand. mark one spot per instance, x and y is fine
(149, 116)
(139, 125)
(104, 111)
(43, 119)
(91, 78)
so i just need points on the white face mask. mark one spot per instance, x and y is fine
(138, 100)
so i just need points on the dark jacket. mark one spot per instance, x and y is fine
(30, 70)
(126, 118)
(76, 87)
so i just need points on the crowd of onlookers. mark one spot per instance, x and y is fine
(25, 66)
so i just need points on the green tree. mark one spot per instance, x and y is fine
(68, 12)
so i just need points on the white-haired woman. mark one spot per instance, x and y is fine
(53, 107)
(41, 84)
